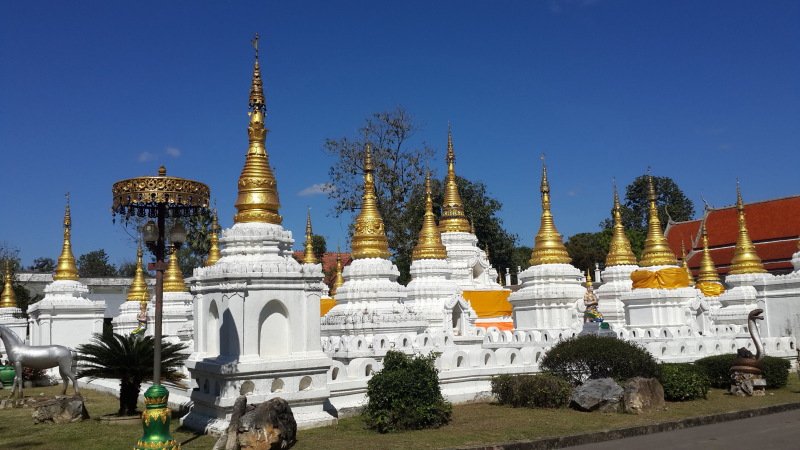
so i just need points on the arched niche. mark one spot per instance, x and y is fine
(273, 330)
(212, 330)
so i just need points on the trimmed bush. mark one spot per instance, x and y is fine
(405, 395)
(580, 358)
(683, 382)
(532, 391)
(717, 369)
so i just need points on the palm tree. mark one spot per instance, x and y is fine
(129, 358)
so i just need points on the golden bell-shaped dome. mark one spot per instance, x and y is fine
(429, 244)
(258, 192)
(548, 247)
(619, 250)
(686, 264)
(66, 269)
(338, 281)
(8, 299)
(173, 277)
(708, 271)
(656, 249)
(453, 218)
(309, 257)
(369, 236)
(138, 289)
(213, 251)
(745, 258)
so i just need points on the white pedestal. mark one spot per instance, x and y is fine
(658, 307)
(546, 301)
(438, 299)
(616, 282)
(65, 316)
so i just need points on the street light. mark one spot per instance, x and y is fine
(159, 198)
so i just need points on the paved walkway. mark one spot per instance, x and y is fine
(769, 432)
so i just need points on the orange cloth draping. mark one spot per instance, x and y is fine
(489, 304)
(325, 305)
(502, 325)
(667, 278)
(710, 288)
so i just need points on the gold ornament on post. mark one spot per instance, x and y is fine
(548, 247)
(66, 269)
(8, 299)
(309, 257)
(213, 252)
(453, 218)
(369, 237)
(338, 281)
(173, 277)
(745, 258)
(619, 252)
(138, 289)
(656, 249)
(258, 192)
(686, 264)
(708, 280)
(429, 244)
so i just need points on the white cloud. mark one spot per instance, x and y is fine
(173, 151)
(145, 157)
(316, 189)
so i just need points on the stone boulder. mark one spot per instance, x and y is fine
(642, 394)
(603, 395)
(61, 409)
(270, 425)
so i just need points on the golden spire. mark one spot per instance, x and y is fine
(138, 290)
(309, 257)
(369, 238)
(8, 299)
(213, 252)
(619, 251)
(548, 247)
(656, 249)
(429, 244)
(588, 277)
(66, 268)
(453, 218)
(745, 258)
(173, 277)
(338, 281)
(686, 264)
(258, 194)
(708, 272)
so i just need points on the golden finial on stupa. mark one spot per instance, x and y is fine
(138, 289)
(173, 277)
(258, 193)
(213, 251)
(66, 269)
(619, 251)
(548, 247)
(429, 243)
(588, 277)
(453, 218)
(309, 257)
(707, 272)
(656, 249)
(745, 258)
(338, 280)
(686, 264)
(8, 299)
(369, 236)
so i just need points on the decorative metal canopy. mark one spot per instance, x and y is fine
(142, 196)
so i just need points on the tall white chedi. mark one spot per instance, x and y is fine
(256, 310)
(65, 316)
(551, 286)
(431, 290)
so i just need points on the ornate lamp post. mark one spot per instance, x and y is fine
(159, 198)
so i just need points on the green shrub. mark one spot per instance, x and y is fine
(405, 395)
(683, 382)
(580, 358)
(775, 371)
(717, 368)
(532, 391)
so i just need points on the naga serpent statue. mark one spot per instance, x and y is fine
(746, 362)
(37, 357)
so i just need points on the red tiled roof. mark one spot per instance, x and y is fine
(682, 232)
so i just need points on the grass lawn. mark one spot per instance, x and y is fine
(473, 424)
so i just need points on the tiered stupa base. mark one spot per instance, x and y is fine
(65, 316)
(616, 282)
(438, 299)
(547, 299)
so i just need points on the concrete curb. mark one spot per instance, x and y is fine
(609, 435)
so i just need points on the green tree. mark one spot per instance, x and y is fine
(43, 265)
(520, 258)
(671, 202)
(128, 269)
(586, 249)
(129, 358)
(319, 245)
(95, 264)
(194, 251)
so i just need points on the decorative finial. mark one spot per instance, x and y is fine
(656, 249)
(588, 278)
(214, 254)
(548, 247)
(745, 257)
(686, 264)
(8, 299)
(257, 200)
(254, 41)
(309, 257)
(66, 269)
(338, 281)
(619, 250)
(708, 272)
(429, 243)
(369, 236)
(137, 292)
(173, 277)
(453, 219)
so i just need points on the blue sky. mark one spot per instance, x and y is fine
(93, 92)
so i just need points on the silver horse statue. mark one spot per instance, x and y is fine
(37, 357)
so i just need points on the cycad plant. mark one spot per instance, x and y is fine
(129, 358)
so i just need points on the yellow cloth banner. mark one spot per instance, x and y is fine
(710, 289)
(489, 303)
(668, 278)
(502, 325)
(325, 305)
